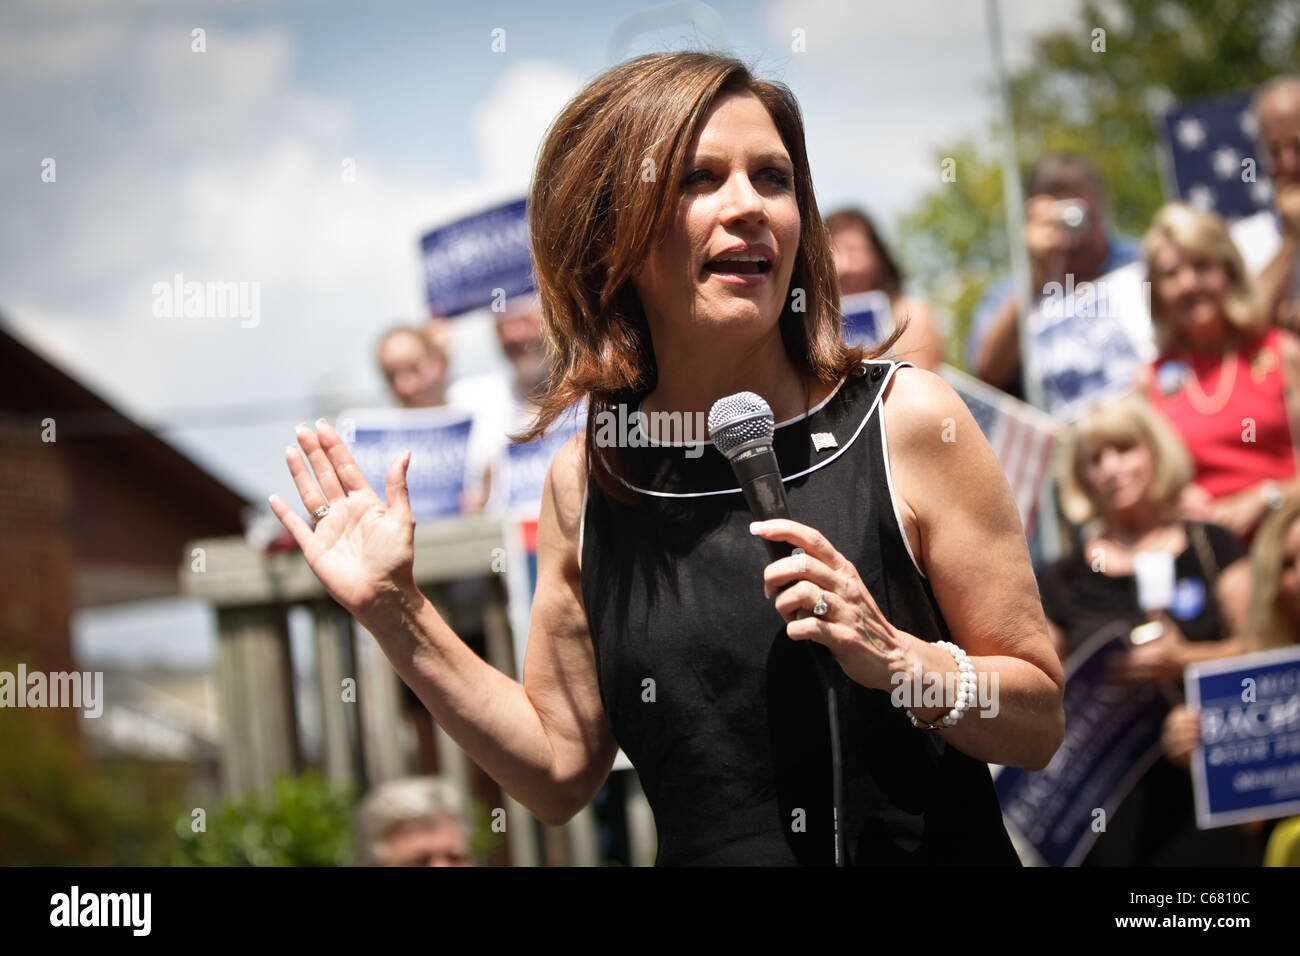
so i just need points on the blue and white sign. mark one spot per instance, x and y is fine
(867, 318)
(477, 260)
(439, 443)
(1112, 737)
(1248, 764)
(525, 466)
(1089, 339)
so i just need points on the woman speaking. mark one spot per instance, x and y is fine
(680, 258)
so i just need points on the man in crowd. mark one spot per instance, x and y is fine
(503, 403)
(1270, 241)
(1066, 233)
(415, 821)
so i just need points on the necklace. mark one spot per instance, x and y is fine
(1206, 404)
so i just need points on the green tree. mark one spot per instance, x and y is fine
(1095, 95)
(59, 807)
(302, 821)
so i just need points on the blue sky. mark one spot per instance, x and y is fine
(224, 166)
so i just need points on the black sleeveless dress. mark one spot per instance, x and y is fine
(722, 715)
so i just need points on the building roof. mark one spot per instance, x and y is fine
(130, 500)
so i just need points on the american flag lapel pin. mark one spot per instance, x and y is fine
(823, 440)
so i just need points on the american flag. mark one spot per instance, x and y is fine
(1022, 437)
(1211, 158)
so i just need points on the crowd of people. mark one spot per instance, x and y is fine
(415, 363)
(1195, 459)
(1179, 429)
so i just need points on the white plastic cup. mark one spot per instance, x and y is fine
(1155, 579)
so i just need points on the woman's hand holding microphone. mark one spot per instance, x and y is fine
(849, 623)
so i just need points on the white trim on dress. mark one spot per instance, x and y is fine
(889, 478)
(809, 470)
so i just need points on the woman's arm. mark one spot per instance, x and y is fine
(1059, 642)
(961, 521)
(1274, 279)
(1289, 346)
(1233, 592)
(998, 357)
(546, 742)
(966, 532)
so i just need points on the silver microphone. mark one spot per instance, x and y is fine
(741, 427)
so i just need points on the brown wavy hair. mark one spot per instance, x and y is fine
(594, 216)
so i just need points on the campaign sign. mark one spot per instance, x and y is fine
(439, 443)
(1112, 737)
(525, 466)
(866, 318)
(474, 261)
(1247, 766)
(1089, 339)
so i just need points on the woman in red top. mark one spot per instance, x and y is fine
(1223, 378)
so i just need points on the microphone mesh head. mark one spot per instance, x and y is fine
(738, 419)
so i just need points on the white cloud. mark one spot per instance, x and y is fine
(510, 123)
(219, 167)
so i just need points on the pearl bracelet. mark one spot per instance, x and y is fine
(965, 690)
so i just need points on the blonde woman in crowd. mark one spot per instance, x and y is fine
(1121, 473)
(1223, 377)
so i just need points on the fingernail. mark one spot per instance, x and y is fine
(756, 527)
(302, 427)
(290, 450)
(320, 423)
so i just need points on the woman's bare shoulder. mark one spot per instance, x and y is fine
(940, 460)
(916, 401)
(567, 478)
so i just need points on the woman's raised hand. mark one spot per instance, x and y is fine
(363, 549)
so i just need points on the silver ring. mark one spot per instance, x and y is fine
(321, 512)
(820, 607)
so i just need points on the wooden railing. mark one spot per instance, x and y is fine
(252, 593)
